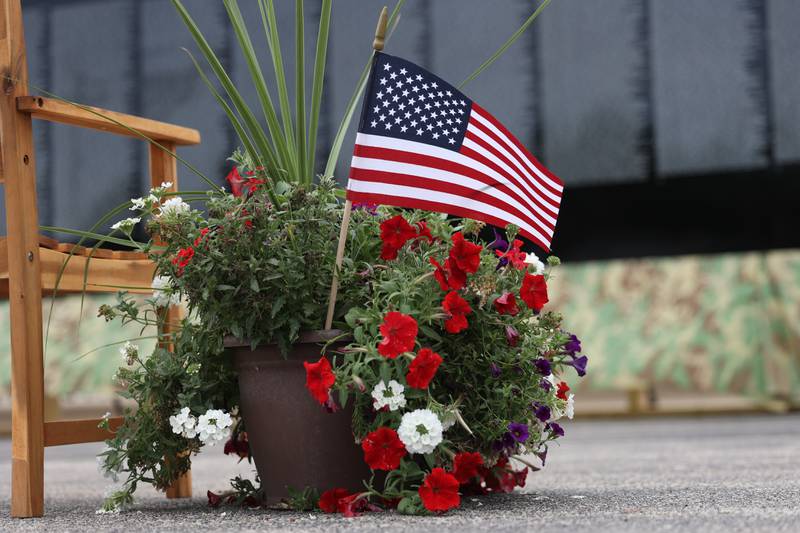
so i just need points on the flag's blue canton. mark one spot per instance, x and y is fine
(408, 102)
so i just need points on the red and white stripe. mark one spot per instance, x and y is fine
(493, 178)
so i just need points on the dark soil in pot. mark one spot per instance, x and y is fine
(294, 440)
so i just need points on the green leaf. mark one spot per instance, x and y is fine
(319, 78)
(500, 51)
(254, 284)
(300, 92)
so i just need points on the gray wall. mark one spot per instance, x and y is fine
(618, 91)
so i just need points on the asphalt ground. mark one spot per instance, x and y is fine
(700, 474)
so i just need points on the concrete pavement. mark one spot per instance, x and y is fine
(704, 474)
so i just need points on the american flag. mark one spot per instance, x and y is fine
(422, 144)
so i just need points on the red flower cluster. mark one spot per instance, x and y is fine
(396, 232)
(238, 444)
(506, 304)
(466, 465)
(240, 185)
(340, 500)
(182, 259)
(465, 255)
(203, 233)
(449, 276)
(383, 449)
(562, 391)
(514, 254)
(499, 479)
(319, 379)
(439, 491)
(458, 309)
(423, 368)
(399, 334)
(534, 291)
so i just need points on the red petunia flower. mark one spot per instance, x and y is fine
(534, 291)
(439, 491)
(465, 255)
(182, 259)
(449, 276)
(514, 255)
(352, 505)
(458, 309)
(424, 232)
(465, 466)
(506, 304)
(329, 501)
(562, 391)
(396, 231)
(237, 444)
(236, 182)
(214, 500)
(388, 252)
(319, 379)
(423, 368)
(383, 449)
(399, 334)
(203, 233)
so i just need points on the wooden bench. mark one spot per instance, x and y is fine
(30, 263)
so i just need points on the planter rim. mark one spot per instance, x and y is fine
(306, 337)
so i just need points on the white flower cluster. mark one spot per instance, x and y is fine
(184, 423)
(163, 293)
(532, 260)
(174, 207)
(126, 226)
(212, 427)
(129, 352)
(420, 431)
(391, 395)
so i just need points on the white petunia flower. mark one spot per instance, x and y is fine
(420, 431)
(126, 225)
(138, 204)
(568, 410)
(129, 352)
(392, 396)
(532, 260)
(184, 423)
(163, 293)
(174, 207)
(214, 426)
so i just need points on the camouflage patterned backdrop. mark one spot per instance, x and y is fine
(723, 322)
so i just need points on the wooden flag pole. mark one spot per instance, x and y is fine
(377, 45)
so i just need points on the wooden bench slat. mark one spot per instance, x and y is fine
(65, 113)
(64, 432)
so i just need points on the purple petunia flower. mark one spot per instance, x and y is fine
(546, 385)
(556, 429)
(370, 208)
(543, 367)
(495, 370)
(579, 364)
(572, 346)
(505, 442)
(498, 243)
(519, 431)
(542, 412)
(512, 336)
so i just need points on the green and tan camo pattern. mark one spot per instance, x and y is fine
(720, 322)
(723, 322)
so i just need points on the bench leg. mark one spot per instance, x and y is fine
(182, 488)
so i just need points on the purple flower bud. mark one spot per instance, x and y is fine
(542, 455)
(546, 385)
(542, 412)
(512, 336)
(556, 429)
(572, 346)
(505, 442)
(543, 367)
(579, 364)
(495, 370)
(498, 243)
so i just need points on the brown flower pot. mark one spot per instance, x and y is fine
(294, 440)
